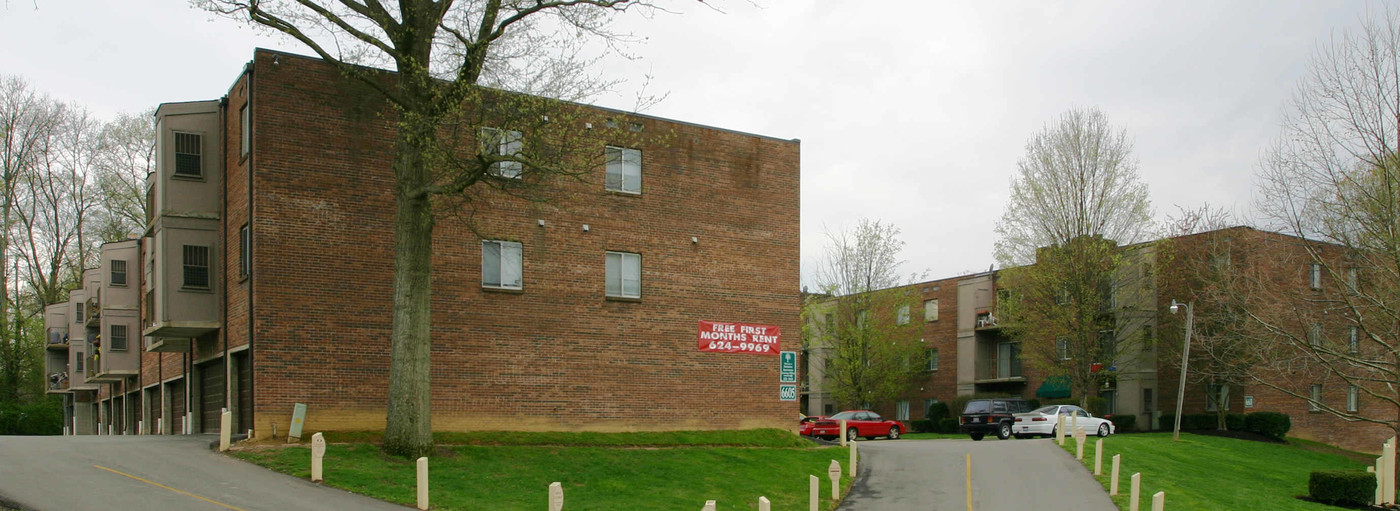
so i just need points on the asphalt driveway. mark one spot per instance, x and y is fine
(908, 475)
(107, 473)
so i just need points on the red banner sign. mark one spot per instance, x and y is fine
(739, 338)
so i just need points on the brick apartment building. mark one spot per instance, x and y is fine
(969, 354)
(264, 278)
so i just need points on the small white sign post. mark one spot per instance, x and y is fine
(1377, 470)
(318, 452)
(833, 471)
(764, 505)
(1079, 445)
(1113, 477)
(812, 494)
(709, 506)
(140, 427)
(843, 432)
(1060, 430)
(423, 483)
(556, 496)
(852, 464)
(1134, 489)
(160, 425)
(225, 429)
(1159, 501)
(1098, 457)
(1388, 475)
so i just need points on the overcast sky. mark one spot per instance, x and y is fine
(910, 112)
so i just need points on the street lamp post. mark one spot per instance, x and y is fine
(1185, 354)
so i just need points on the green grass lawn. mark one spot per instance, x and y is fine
(728, 438)
(609, 475)
(1207, 472)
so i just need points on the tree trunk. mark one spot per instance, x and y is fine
(408, 431)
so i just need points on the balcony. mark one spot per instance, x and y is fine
(57, 383)
(167, 344)
(94, 311)
(987, 321)
(999, 363)
(57, 339)
(98, 371)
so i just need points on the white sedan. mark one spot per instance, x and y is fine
(1042, 422)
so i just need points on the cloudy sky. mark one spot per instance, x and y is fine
(910, 112)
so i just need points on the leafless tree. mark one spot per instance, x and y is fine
(443, 52)
(127, 155)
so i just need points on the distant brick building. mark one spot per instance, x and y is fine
(264, 278)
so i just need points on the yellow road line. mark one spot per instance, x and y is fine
(969, 481)
(153, 483)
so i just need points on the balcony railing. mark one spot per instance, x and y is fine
(90, 366)
(94, 311)
(999, 369)
(58, 382)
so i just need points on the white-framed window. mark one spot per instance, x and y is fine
(901, 315)
(245, 131)
(1315, 335)
(1352, 398)
(901, 410)
(1062, 348)
(624, 173)
(1353, 340)
(501, 264)
(931, 310)
(931, 359)
(1315, 397)
(499, 142)
(1315, 276)
(1217, 396)
(624, 275)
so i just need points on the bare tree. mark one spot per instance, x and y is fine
(1076, 300)
(52, 203)
(128, 154)
(1333, 177)
(442, 52)
(863, 330)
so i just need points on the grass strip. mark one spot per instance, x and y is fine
(776, 438)
(594, 478)
(1209, 472)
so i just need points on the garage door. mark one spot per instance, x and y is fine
(115, 414)
(176, 391)
(245, 393)
(133, 411)
(211, 395)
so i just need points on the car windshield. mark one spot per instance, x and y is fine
(978, 407)
(843, 416)
(1048, 410)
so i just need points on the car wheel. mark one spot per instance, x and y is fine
(894, 433)
(1103, 430)
(1052, 432)
(1004, 431)
(976, 436)
(851, 434)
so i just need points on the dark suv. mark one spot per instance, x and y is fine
(994, 416)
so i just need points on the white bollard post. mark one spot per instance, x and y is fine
(833, 471)
(65, 431)
(764, 505)
(75, 425)
(556, 496)
(99, 429)
(423, 483)
(111, 430)
(843, 432)
(1159, 501)
(853, 459)
(1388, 458)
(1060, 430)
(709, 506)
(1113, 477)
(160, 426)
(1134, 488)
(1098, 457)
(1074, 422)
(1078, 448)
(225, 429)
(189, 422)
(1377, 470)
(812, 497)
(140, 427)
(318, 453)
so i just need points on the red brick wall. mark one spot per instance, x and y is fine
(557, 356)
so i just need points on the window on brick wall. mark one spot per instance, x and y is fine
(118, 273)
(931, 310)
(1315, 335)
(189, 155)
(624, 275)
(1217, 396)
(928, 403)
(1352, 397)
(1315, 276)
(118, 337)
(931, 358)
(501, 263)
(1062, 348)
(901, 315)
(196, 266)
(245, 251)
(901, 410)
(245, 131)
(1315, 397)
(624, 172)
(1352, 281)
(499, 142)
(1353, 340)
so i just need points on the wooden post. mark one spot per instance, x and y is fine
(423, 483)
(1134, 488)
(140, 427)
(556, 496)
(1078, 448)
(1113, 477)
(160, 425)
(225, 429)
(853, 459)
(318, 452)
(843, 432)
(1074, 422)
(1388, 458)
(65, 431)
(1159, 501)
(1060, 430)
(1377, 470)
(1098, 457)
(833, 471)
(709, 506)
(764, 505)
(812, 484)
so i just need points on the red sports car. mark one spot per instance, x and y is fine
(806, 424)
(859, 423)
